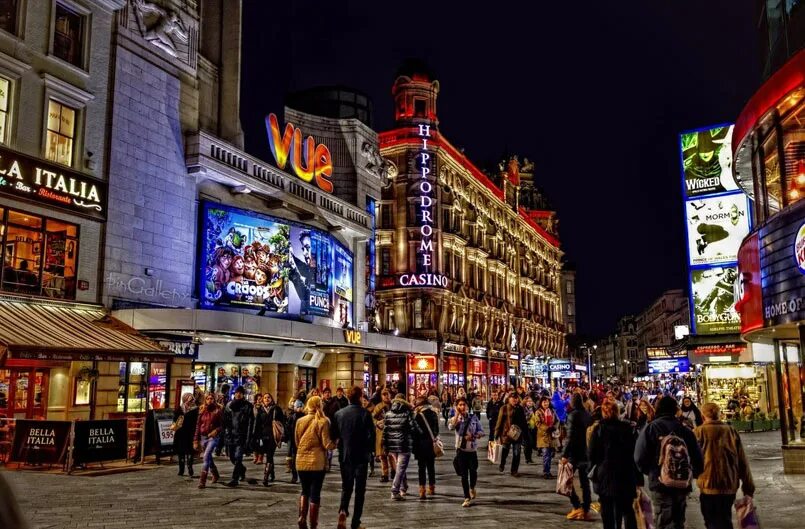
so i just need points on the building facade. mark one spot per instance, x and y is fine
(459, 261)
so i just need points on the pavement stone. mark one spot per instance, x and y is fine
(157, 497)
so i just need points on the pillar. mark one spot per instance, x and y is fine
(270, 381)
(286, 383)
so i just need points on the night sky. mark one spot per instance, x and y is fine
(595, 93)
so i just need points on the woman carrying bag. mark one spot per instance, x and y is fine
(425, 445)
(185, 418)
(268, 432)
(312, 443)
(468, 430)
(546, 424)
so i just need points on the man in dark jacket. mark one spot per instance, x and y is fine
(330, 407)
(238, 419)
(512, 414)
(669, 503)
(398, 433)
(342, 399)
(575, 453)
(354, 431)
(493, 409)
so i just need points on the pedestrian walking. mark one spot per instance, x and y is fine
(669, 454)
(208, 433)
(367, 405)
(530, 434)
(341, 397)
(614, 473)
(691, 416)
(238, 421)
(258, 404)
(645, 414)
(509, 431)
(379, 416)
(290, 436)
(575, 453)
(428, 427)
(185, 418)
(398, 439)
(313, 440)
(267, 434)
(493, 410)
(354, 433)
(546, 424)
(726, 467)
(330, 406)
(477, 405)
(468, 430)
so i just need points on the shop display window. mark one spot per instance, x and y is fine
(133, 383)
(40, 255)
(82, 392)
(157, 382)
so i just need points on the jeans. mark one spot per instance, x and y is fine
(615, 511)
(547, 457)
(717, 510)
(208, 446)
(427, 465)
(400, 482)
(515, 448)
(353, 476)
(235, 452)
(669, 509)
(528, 444)
(469, 474)
(312, 481)
(584, 481)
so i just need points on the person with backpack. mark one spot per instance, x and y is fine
(725, 468)
(428, 422)
(669, 454)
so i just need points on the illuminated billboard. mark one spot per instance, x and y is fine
(713, 300)
(716, 227)
(272, 266)
(707, 161)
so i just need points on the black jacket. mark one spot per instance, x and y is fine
(238, 418)
(354, 431)
(423, 444)
(330, 407)
(610, 454)
(517, 414)
(183, 437)
(647, 450)
(264, 426)
(578, 420)
(400, 428)
(290, 429)
(492, 410)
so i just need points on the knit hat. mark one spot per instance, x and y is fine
(667, 406)
(298, 404)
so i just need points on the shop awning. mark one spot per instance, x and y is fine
(45, 328)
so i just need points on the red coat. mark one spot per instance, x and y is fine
(209, 419)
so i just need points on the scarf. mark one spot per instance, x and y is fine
(188, 402)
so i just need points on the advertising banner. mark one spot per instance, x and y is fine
(748, 292)
(100, 441)
(272, 266)
(668, 365)
(40, 442)
(707, 161)
(716, 227)
(713, 300)
(782, 262)
(159, 436)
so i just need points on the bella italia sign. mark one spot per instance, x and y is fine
(46, 183)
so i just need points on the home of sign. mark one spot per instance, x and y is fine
(42, 182)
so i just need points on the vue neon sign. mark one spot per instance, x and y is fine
(308, 160)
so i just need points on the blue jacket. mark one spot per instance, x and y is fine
(560, 406)
(647, 450)
(474, 428)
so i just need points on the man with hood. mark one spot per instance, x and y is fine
(398, 439)
(238, 423)
(670, 502)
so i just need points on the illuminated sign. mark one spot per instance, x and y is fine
(308, 160)
(719, 349)
(421, 364)
(748, 291)
(668, 365)
(799, 248)
(716, 227)
(353, 337)
(559, 366)
(423, 280)
(714, 300)
(656, 352)
(707, 161)
(43, 182)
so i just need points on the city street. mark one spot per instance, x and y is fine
(156, 497)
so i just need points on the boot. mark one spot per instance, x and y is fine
(303, 506)
(422, 492)
(215, 475)
(190, 466)
(314, 516)
(202, 481)
(266, 472)
(288, 461)
(181, 466)
(342, 520)
(271, 476)
(431, 490)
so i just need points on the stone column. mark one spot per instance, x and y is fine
(286, 383)
(359, 283)
(270, 381)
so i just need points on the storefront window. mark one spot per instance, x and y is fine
(771, 166)
(230, 376)
(133, 393)
(157, 386)
(31, 267)
(794, 148)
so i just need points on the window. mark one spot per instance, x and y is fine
(132, 397)
(385, 216)
(418, 313)
(5, 87)
(569, 287)
(68, 36)
(570, 309)
(570, 328)
(8, 15)
(419, 108)
(40, 256)
(385, 261)
(60, 133)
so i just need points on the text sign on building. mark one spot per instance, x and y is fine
(46, 183)
(309, 161)
(352, 337)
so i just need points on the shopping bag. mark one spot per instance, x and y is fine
(564, 479)
(644, 502)
(639, 516)
(494, 452)
(747, 515)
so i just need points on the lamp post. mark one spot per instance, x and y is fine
(590, 365)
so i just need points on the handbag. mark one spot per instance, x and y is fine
(438, 446)
(177, 424)
(564, 480)
(279, 432)
(514, 432)
(747, 514)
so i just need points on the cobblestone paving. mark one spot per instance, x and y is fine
(156, 497)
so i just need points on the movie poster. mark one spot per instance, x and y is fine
(343, 286)
(713, 300)
(707, 161)
(269, 265)
(716, 227)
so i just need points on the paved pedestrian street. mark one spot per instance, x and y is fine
(156, 497)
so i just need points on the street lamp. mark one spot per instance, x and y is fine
(590, 365)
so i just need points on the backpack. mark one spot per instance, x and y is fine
(675, 468)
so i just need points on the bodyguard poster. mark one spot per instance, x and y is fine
(713, 300)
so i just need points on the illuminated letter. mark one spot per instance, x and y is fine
(304, 172)
(426, 216)
(426, 202)
(279, 148)
(425, 158)
(423, 188)
(426, 228)
(424, 130)
(324, 168)
(426, 259)
(426, 246)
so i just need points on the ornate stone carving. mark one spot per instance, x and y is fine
(160, 26)
(375, 163)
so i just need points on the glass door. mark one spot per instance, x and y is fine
(23, 393)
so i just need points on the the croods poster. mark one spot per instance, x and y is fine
(273, 266)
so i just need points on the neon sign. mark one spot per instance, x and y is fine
(308, 160)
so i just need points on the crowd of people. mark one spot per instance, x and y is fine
(618, 443)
